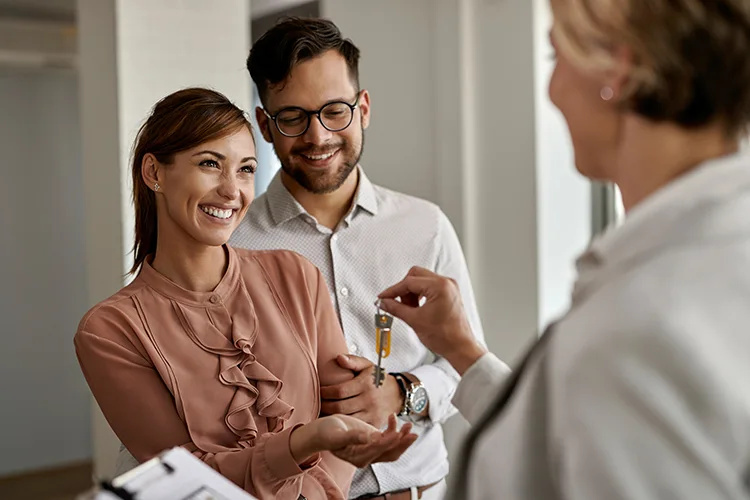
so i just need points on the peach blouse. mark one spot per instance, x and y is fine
(226, 374)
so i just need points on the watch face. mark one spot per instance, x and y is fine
(419, 400)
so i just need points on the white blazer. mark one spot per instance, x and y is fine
(642, 391)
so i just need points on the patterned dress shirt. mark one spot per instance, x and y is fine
(382, 236)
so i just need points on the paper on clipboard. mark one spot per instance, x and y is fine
(174, 475)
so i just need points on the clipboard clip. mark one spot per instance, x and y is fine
(117, 486)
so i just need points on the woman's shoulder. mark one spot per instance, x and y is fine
(114, 317)
(279, 265)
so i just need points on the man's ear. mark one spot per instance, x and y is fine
(150, 171)
(364, 108)
(264, 123)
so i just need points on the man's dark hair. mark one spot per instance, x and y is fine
(294, 40)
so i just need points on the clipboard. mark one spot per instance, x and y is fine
(174, 475)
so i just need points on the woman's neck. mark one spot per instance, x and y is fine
(196, 267)
(653, 155)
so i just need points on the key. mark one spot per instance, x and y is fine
(383, 323)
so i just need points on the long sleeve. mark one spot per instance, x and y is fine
(141, 411)
(479, 386)
(439, 377)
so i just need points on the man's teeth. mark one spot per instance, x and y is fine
(321, 157)
(218, 212)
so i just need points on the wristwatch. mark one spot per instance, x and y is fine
(415, 395)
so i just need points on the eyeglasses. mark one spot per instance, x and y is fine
(334, 116)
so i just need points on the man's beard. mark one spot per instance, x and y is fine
(325, 181)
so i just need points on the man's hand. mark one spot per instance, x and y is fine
(440, 323)
(359, 397)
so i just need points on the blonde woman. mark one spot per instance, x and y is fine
(640, 391)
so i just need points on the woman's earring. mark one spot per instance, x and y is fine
(156, 186)
(607, 93)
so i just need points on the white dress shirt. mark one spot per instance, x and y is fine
(643, 390)
(383, 235)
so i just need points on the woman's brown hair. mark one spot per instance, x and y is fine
(180, 121)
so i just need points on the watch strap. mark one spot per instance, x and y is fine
(405, 386)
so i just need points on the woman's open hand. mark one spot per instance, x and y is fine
(386, 446)
(352, 440)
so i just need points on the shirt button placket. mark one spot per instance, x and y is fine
(341, 292)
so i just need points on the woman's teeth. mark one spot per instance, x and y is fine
(218, 212)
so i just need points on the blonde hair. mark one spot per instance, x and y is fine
(690, 57)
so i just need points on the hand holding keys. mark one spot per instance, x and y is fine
(383, 322)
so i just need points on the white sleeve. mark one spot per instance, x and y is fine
(479, 386)
(439, 378)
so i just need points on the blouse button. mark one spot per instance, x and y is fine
(214, 299)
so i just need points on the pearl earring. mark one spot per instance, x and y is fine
(606, 93)
(156, 186)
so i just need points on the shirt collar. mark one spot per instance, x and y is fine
(281, 203)
(672, 215)
(365, 196)
(284, 206)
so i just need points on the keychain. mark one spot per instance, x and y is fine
(383, 322)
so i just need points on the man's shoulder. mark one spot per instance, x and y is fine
(395, 202)
(388, 196)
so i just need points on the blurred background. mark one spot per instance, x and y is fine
(460, 117)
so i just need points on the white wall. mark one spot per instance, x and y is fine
(44, 405)
(399, 149)
(563, 195)
(265, 7)
(133, 53)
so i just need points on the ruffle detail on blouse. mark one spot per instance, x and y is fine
(255, 385)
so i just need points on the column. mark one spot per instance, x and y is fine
(133, 53)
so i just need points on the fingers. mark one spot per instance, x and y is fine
(354, 363)
(400, 310)
(406, 429)
(349, 389)
(392, 423)
(385, 446)
(342, 407)
(420, 271)
(399, 444)
(398, 449)
(416, 285)
(396, 444)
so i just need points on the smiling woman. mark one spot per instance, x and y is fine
(218, 350)
(182, 148)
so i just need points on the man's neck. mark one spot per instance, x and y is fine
(328, 209)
